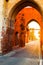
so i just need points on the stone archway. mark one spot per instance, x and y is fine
(19, 6)
(34, 26)
(34, 14)
(25, 15)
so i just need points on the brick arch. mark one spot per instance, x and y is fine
(30, 14)
(33, 20)
(20, 5)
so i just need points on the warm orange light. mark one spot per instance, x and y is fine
(36, 28)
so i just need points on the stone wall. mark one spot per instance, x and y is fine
(1, 22)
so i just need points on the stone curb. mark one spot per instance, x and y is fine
(13, 52)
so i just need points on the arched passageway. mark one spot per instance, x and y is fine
(18, 19)
(32, 39)
(34, 30)
(25, 16)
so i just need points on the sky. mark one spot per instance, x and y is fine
(35, 25)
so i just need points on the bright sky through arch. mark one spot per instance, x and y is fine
(34, 25)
